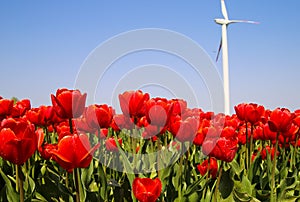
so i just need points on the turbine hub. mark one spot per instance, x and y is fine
(222, 21)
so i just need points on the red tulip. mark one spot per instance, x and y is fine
(133, 103)
(228, 132)
(222, 148)
(151, 131)
(120, 121)
(232, 121)
(280, 120)
(6, 106)
(40, 116)
(19, 109)
(81, 125)
(18, 140)
(157, 111)
(184, 130)
(74, 152)
(258, 132)
(178, 106)
(46, 150)
(268, 150)
(251, 113)
(297, 118)
(63, 129)
(292, 131)
(99, 116)
(195, 112)
(111, 144)
(146, 189)
(242, 134)
(212, 167)
(268, 134)
(54, 119)
(68, 103)
(102, 134)
(202, 131)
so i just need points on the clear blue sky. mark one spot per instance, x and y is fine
(44, 43)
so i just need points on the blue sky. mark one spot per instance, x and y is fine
(44, 43)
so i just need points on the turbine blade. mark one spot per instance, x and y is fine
(219, 50)
(224, 11)
(244, 21)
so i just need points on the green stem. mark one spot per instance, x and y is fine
(134, 146)
(208, 168)
(218, 181)
(159, 147)
(247, 147)
(180, 177)
(76, 179)
(20, 182)
(71, 126)
(207, 176)
(67, 180)
(47, 135)
(251, 143)
(295, 150)
(17, 178)
(284, 151)
(273, 187)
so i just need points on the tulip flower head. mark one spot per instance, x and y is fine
(18, 140)
(68, 103)
(280, 120)
(251, 113)
(133, 103)
(99, 116)
(74, 151)
(111, 144)
(203, 168)
(146, 189)
(6, 106)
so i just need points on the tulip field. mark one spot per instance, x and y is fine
(157, 149)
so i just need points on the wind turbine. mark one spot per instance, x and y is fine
(223, 44)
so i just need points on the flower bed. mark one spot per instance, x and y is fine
(156, 150)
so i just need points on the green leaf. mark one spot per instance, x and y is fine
(128, 167)
(254, 166)
(244, 190)
(11, 194)
(236, 167)
(82, 192)
(241, 197)
(263, 195)
(226, 184)
(86, 175)
(247, 187)
(39, 197)
(208, 196)
(103, 182)
(176, 178)
(193, 197)
(195, 186)
(52, 189)
(286, 185)
(29, 187)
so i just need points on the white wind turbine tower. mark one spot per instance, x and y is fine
(225, 22)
